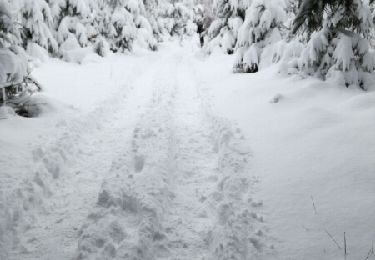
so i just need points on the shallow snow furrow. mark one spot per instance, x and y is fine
(186, 222)
(238, 232)
(135, 198)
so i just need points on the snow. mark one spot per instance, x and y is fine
(37, 53)
(316, 142)
(13, 67)
(169, 155)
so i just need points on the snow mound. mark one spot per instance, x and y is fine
(13, 67)
(38, 53)
(71, 51)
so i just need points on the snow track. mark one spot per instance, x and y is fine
(126, 222)
(172, 181)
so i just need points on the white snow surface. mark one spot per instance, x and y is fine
(169, 155)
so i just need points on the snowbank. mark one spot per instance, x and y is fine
(38, 149)
(314, 150)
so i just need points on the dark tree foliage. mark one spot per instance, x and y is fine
(5, 24)
(310, 14)
(338, 40)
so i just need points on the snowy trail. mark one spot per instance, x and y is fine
(171, 181)
(77, 160)
(214, 216)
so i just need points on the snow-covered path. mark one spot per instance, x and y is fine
(159, 176)
(79, 159)
(166, 155)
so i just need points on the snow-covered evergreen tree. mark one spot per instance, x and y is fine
(223, 31)
(71, 20)
(338, 34)
(129, 25)
(182, 15)
(9, 32)
(263, 26)
(153, 11)
(176, 18)
(13, 62)
(37, 23)
(5, 22)
(100, 28)
(164, 22)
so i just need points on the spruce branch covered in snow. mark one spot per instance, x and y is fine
(263, 26)
(338, 37)
(223, 31)
(60, 26)
(176, 18)
(71, 18)
(5, 21)
(326, 39)
(129, 25)
(182, 16)
(9, 32)
(13, 64)
(36, 20)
